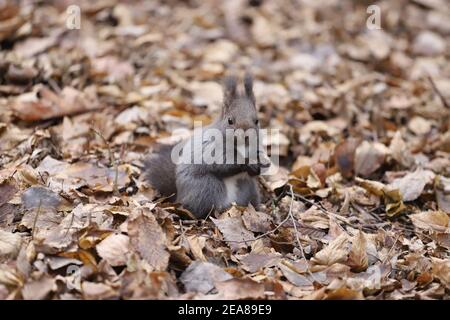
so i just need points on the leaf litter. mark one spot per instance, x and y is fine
(358, 210)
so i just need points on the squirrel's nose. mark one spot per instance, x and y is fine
(247, 125)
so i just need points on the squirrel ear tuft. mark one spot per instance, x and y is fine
(248, 84)
(229, 90)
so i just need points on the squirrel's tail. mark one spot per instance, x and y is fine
(160, 171)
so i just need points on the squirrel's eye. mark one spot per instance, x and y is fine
(230, 121)
(256, 121)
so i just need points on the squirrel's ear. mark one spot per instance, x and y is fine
(229, 90)
(248, 84)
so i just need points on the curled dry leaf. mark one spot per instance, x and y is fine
(336, 251)
(114, 249)
(196, 244)
(148, 239)
(369, 157)
(392, 196)
(344, 155)
(357, 258)
(412, 184)
(400, 152)
(442, 187)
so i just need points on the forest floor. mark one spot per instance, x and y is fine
(359, 208)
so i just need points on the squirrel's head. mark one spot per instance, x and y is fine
(239, 109)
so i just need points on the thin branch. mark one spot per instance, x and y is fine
(438, 92)
(321, 208)
(296, 231)
(36, 218)
(112, 160)
(262, 235)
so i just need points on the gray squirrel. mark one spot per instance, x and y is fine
(204, 186)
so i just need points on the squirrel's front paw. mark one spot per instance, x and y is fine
(264, 161)
(254, 169)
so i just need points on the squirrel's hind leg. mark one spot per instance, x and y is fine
(201, 195)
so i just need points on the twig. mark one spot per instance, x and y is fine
(70, 225)
(438, 92)
(296, 231)
(390, 250)
(265, 234)
(321, 208)
(35, 218)
(112, 160)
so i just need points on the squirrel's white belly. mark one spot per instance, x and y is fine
(231, 185)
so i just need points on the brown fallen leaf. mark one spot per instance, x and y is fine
(400, 152)
(234, 232)
(357, 258)
(254, 262)
(9, 244)
(39, 289)
(203, 276)
(148, 239)
(111, 68)
(411, 185)
(369, 157)
(391, 196)
(33, 46)
(114, 249)
(97, 291)
(7, 191)
(442, 187)
(196, 244)
(66, 177)
(236, 289)
(336, 251)
(344, 155)
(40, 197)
(436, 221)
(441, 270)
(294, 277)
(42, 103)
(143, 285)
(256, 221)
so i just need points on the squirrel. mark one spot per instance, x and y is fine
(204, 186)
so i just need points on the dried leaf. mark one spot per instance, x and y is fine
(234, 232)
(235, 289)
(357, 258)
(336, 251)
(369, 157)
(9, 244)
(203, 276)
(411, 185)
(114, 249)
(148, 239)
(437, 221)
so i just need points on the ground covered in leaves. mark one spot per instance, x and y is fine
(359, 209)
